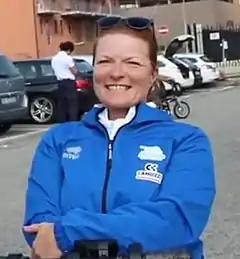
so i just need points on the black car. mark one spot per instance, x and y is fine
(13, 99)
(41, 85)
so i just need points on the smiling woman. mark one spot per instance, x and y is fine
(134, 55)
(122, 76)
(132, 164)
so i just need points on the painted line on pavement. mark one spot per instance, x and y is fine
(28, 129)
(9, 138)
(35, 131)
(205, 92)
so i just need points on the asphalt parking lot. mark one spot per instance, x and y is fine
(215, 110)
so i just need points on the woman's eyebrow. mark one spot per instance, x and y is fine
(130, 58)
(105, 56)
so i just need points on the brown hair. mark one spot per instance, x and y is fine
(147, 35)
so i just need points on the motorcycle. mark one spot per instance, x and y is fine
(180, 109)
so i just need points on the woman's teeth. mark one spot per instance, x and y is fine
(118, 87)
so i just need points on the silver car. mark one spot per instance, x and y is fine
(13, 100)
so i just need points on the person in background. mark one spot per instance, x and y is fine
(127, 171)
(66, 72)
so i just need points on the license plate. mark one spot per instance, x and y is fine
(8, 100)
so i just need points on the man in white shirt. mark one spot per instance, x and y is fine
(66, 71)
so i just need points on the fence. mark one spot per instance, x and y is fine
(230, 67)
(217, 42)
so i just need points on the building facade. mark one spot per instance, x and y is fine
(34, 28)
(177, 14)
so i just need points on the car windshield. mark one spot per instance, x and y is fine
(83, 66)
(178, 62)
(7, 68)
(187, 61)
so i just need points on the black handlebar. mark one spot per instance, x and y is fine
(14, 256)
(98, 249)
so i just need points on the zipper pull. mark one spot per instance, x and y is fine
(110, 151)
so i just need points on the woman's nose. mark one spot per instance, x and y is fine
(117, 71)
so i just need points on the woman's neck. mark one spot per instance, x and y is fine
(114, 114)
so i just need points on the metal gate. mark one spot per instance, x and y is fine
(216, 42)
(221, 42)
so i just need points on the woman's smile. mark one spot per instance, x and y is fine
(118, 87)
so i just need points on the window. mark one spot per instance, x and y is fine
(69, 28)
(41, 26)
(28, 70)
(7, 68)
(187, 60)
(90, 30)
(83, 66)
(193, 60)
(46, 69)
(55, 26)
(61, 27)
(228, 1)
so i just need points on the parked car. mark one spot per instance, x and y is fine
(187, 68)
(86, 57)
(169, 69)
(190, 68)
(13, 98)
(41, 85)
(208, 68)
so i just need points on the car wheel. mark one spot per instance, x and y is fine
(4, 128)
(42, 109)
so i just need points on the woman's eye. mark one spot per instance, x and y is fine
(102, 61)
(134, 63)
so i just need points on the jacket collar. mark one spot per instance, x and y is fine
(144, 113)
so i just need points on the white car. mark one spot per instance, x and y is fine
(209, 69)
(169, 69)
(86, 57)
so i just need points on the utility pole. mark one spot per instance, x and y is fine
(183, 5)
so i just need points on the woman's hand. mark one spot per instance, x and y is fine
(44, 245)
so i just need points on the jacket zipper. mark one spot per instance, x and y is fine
(107, 176)
(109, 168)
(109, 164)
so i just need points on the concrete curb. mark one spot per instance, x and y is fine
(232, 75)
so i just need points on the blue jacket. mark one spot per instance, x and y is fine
(154, 184)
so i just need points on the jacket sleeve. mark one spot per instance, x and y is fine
(175, 219)
(42, 195)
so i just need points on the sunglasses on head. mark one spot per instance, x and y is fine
(135, 23)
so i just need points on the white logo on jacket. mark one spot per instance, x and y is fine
(150, 173)
(72, 152)
(152, 153)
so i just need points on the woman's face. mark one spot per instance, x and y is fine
(123, 73)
